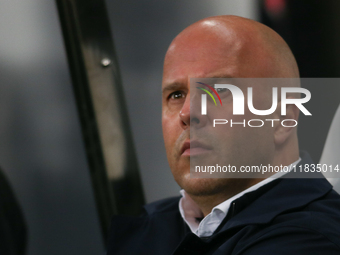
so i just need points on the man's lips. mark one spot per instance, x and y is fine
(194, 148)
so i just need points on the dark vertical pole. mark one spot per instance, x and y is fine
(103, 115)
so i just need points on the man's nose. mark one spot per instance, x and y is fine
(190, 114)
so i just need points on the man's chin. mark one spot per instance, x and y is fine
(204, 186)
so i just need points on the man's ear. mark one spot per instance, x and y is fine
(282, 133)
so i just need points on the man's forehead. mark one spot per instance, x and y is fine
(204, 62)
(204, 56)
(173, 84)
(203, 44)
(228, 47)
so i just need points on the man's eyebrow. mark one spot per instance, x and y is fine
(222, 76)
(178, 85)
(172, 87)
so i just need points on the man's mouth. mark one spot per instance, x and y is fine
(194, 148)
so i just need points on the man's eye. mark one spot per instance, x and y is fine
(220, 90)
(176, 95)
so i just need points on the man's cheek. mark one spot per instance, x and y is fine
(169, 135)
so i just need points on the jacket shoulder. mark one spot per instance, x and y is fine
(163, 206)
(157, 231)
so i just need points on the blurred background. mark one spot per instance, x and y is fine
(42, 150)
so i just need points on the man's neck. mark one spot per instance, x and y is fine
(207, 202)
(235, 186)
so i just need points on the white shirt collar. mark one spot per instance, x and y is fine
(190, 211)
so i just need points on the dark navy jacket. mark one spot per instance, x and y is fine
(286, 216)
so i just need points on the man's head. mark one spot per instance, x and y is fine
(223, 47)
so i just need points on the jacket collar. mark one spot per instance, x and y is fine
(285, 194)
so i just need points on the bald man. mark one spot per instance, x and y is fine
(231, 215)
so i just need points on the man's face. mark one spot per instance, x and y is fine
(189, 134)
